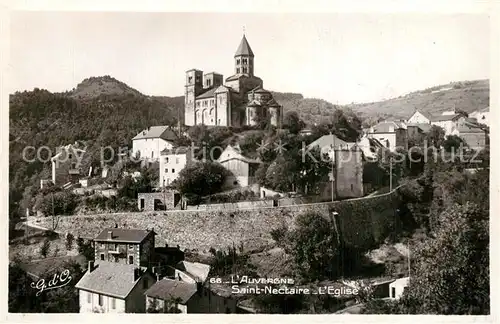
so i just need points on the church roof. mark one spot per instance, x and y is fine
(207, 94)
(235, 77)
(254, 103)
(244, 48)
(273, 103)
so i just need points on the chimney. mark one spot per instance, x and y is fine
(137, 274)
(116, 225)
(91, 266)
(110, 235)
(166, 244)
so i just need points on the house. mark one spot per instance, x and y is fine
(172, 161)
(66, 164)
(241, 168)
(369, 146)
(482, 116)
(148, 143)
(125, 246)
(113, 288)
(419, 117)
(392, 134)
(417, 132)
(472, 134)
(448, 122)
(347, 175)
(171, 296)
(397, 287)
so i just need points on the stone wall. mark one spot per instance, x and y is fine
(146, 201)
(363, 222)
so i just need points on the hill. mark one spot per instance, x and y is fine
(467, 96)
(104, 85)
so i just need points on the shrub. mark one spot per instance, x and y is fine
(69, 241)
(44, 249)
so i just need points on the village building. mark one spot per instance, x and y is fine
(125, 246)
(419, 117)
(397, 287)
(417, 133)
(392, 134)
(66, 165)
(448, 122)
(241, 168)
(346, 177)
(473, 135)
(148, 143)
(482, 116)
(172, 161)
(113, 288)
(242, 100)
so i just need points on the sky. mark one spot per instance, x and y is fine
(339, 57)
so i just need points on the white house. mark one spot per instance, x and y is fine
(113, 288)
(482, 116)
(397, 287)
(150, 142)
(391, 134)
(419, 118)
(449, 122)
(242, 168)
(172, 161)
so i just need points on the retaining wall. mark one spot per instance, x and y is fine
(364, 222)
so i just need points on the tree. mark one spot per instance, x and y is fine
(435, 136)
(282, 174)
(451, 272)
(44, 249)
(69, 241)
(201, 178)
(293, 122)
(452, 143)
(315, 246)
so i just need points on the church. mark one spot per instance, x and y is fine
(240, 100)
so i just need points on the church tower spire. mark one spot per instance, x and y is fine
(243, 58)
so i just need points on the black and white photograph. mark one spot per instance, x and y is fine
(249, 162)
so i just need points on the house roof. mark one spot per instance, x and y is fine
(485, 109)
(444, 117)
(198, 271)
(113, 279)
(176, 150)
(207, 94)
(426, 115)
(385, 127)
(328, 141)
(123, 235)
(469, 128)
(244, 48)
(168, 288)
(232, 153)
(164, 132)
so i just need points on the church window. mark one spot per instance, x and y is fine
(237, 70)
(212, 102)
(190, 79)
(245, 61)
(244, 70)
(238, 61)
(198, 104)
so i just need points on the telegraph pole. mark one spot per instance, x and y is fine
(390, 173)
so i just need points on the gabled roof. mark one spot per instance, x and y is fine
(113, 279)
(207, 94)
(123, 235)
(198, 271)
(273, 103)
(163, 132)
(426, 115)
(235, 77)
(329, 141)
(244, 48)
(234, 153)
(469, 128)
(385, 127)
(167, 289)
(254, 103)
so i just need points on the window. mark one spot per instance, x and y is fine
(152, 154)
(166, 159)
(166, 170)
(198, 104)
(212, 102)
(238, 61)
(145, 283)
(237, 70)
(70, 156)
(190, 79)
(89, 297)
(101, 301)
(173, 170)
(244, 70)
(73, 165)
(176, 160)
(130, 259)
(219, 121)
(131, 246)
(393, 292)
(113, 303)
(116, 247)
(102, 256)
